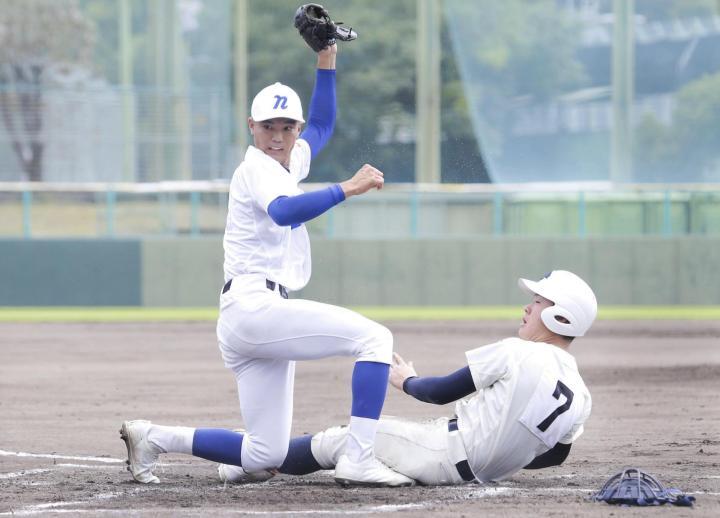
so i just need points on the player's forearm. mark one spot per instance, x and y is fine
(321, 114)
(441, 390)
(294, 210)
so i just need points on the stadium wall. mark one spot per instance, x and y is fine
(480, 271)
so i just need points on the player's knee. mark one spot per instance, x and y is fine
(327, 446)
(265, 455)
(378, 345)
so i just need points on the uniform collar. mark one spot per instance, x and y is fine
(567, 355)
(255, 154)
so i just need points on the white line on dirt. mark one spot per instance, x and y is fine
(122, 512)
(376, 509)
(84, 466)
(45, 509)
(22, 473)
(40, 508)
(55, 506)
(65, 507)
(361, 511)
(463, 492)
(108, 460)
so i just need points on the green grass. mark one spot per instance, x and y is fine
(106, 314)
(206, 314)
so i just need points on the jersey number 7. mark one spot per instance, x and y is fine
(563, 389)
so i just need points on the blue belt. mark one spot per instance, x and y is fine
(270, 285)
(463, 467)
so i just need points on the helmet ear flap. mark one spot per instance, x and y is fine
(553, 316)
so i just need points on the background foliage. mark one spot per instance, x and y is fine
(523, 55)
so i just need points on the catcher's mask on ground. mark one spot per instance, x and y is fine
(575, 306)
(276, 101)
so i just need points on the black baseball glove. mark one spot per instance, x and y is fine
(315, 26)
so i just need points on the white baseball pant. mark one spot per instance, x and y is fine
(419, 450)
(261, 335)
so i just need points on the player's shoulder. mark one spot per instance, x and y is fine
(245, 168)
(533, 354)
(301, 153)
(515, 342)
(518, 346)
(237, 175)
(302, 146)
(253, 159)
(501, 348)
(300, 159)
(564, 365)
(552, 354)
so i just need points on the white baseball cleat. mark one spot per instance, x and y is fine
(142, 456)
(236, 475)
(370, 472)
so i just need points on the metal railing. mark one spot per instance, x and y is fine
(400, 211)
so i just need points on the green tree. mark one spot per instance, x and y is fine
(697, 125)
(36, 35)
(689, 149)
(376, 76)
(655, 152)
(104, 14)
(520, 48)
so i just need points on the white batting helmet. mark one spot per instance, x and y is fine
(275, 102)
(574, 301)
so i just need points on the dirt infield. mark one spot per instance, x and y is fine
(65, 389)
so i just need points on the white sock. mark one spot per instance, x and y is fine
(172, 439)
(360, 444)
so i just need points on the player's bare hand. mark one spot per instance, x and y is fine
(366, 178)
(329, 50)
(400, 370)
(326, 57)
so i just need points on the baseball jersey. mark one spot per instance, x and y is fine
(253, 242)
(530, 396)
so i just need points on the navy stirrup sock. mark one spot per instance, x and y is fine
(218, 445)
(300, 460)
(369, 386)
(224, 446)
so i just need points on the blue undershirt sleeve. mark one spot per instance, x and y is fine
(294, 210)
(321, 114)
(441, 390)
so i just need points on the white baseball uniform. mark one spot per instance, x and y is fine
(260, 333)
(529, 397)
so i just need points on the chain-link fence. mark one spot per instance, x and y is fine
(111, 134)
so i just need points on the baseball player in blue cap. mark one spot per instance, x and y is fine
(528, 402)
(262, 332)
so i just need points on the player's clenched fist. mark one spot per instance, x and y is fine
(365, 179)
